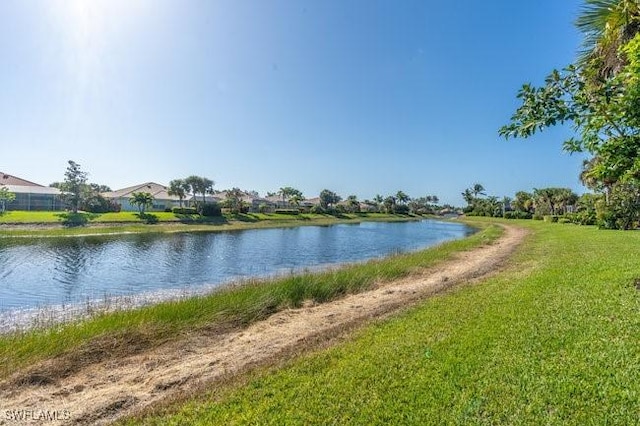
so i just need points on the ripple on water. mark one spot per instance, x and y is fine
(48, 273)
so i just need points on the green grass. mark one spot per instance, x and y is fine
(228, 308)
(553, 340)
(30, 217)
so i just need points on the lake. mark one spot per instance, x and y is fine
(36, 273)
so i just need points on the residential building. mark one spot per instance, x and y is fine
(161, 198)
(252, 199)
(30, 195)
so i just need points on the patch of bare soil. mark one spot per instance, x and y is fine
(105, 390)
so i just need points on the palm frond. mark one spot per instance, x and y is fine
(606, 25)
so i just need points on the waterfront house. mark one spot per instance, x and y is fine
(161, 198)
(30, 195)
(252, 199)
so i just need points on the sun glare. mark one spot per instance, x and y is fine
(87, 23)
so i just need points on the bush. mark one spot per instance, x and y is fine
(517, 214)
(401, 209)
(623, 208)
(564, 220)
(264, 208)
(184, 210)
(317, 210)
(586, 217)
(211, 209)
(98, 204)
(550, 218)
(287, 211)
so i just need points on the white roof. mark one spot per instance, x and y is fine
(23, 189)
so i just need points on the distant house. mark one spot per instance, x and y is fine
(310, 202)
(161, 198)
(29, 195)
(277, 202)
(193, 200)
(252, 199)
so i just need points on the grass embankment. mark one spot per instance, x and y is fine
(45, 224)
(120, 333)
(552, 340)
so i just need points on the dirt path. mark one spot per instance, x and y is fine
(103, 392)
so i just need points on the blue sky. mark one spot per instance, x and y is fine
(357, 96)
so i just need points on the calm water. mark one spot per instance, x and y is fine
(56, 271)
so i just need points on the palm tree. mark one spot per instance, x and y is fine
(234, 200)
(523, 201)
(542, 201)
(296, 199)
(477, 189)
(607, 25)
(402, 198)
(353, 204)
(379, 200)
(328, 198)
(389, 204)
(200, 185)
(468, 196)
(287, 193)
(142, 200)
(179, 188)
(595, 175)
(506, 204)
(432, 199)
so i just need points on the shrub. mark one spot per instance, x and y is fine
(211, 209)
(264, 208)
(550, 218)
(317, 210)
(184, 210)
(537, 216)
(517, 214)
(401, 209)
(287, 211)
(564, 220)
(622, 211)
(98, 204)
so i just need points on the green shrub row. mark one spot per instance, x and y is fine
(184, 210)
(287, 211)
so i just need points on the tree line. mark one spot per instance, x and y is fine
(81, 195)
(552, 204)
(599, 95)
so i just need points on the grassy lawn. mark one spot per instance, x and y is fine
(123, 332)
(553, 340)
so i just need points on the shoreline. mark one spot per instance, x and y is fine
(200, 357)
(31, 318)
(51, 230)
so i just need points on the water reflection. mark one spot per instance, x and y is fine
(68, 270)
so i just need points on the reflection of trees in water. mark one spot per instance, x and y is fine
(145, 242)
(71, 256)
(72, 269)
(4, 261)
(175, 254)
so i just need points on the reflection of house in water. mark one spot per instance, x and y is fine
(29, 195)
